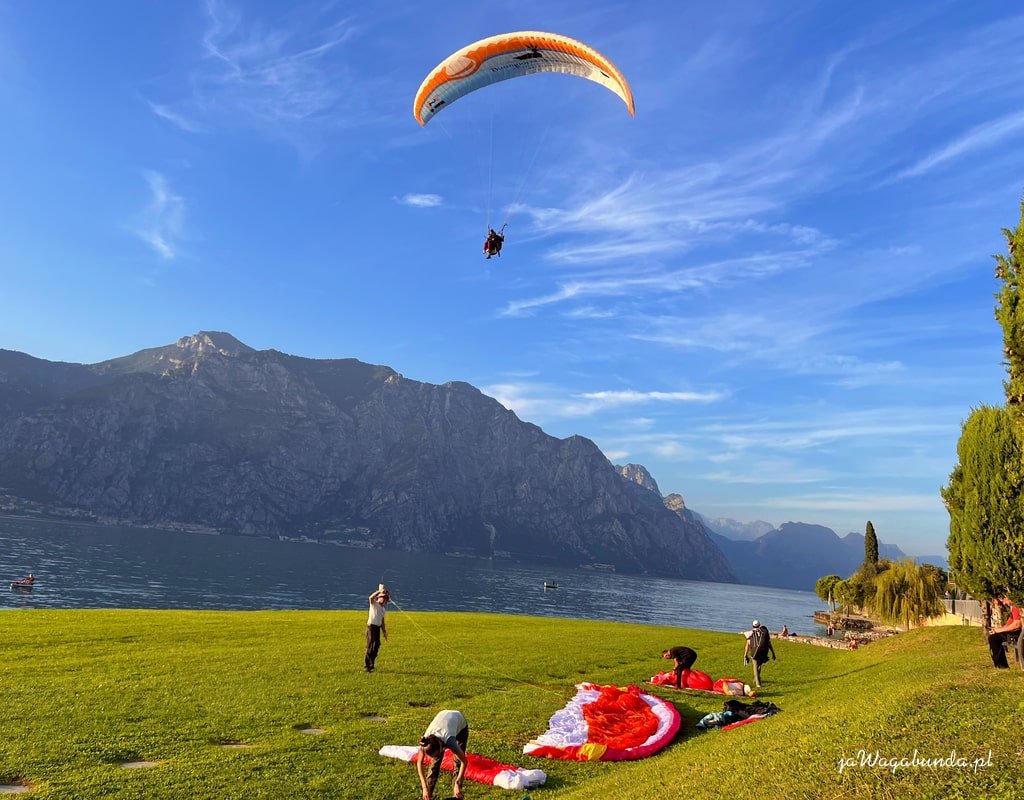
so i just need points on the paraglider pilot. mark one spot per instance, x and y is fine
(447, 731)
(684, 658)
(492, 246)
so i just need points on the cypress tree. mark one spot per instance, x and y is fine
(1010, 314)
(985, 495)
(870, 546)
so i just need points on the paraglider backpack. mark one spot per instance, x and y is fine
(758, 641)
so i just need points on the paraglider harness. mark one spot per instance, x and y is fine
(495, 239)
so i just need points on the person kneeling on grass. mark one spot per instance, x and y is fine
(447, 731)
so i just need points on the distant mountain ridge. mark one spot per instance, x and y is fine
(732, 529)
(210, 431)
(796, 554)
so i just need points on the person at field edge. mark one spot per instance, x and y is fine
(447, 731)
(375, 626)
(759, 645)
(1008, 631)
(684, 659)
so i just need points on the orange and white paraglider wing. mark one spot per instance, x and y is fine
(513, 55)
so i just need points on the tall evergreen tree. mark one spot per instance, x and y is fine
(985, 495)
(1010, 314)
(985, 500)
(870, 546)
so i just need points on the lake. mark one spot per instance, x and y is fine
(96, 566)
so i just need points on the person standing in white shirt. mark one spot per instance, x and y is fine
(375, 626)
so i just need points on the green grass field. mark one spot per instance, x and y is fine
(83, 691)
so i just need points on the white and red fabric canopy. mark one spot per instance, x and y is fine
(607, 723)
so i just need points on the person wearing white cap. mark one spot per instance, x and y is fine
(759, 645)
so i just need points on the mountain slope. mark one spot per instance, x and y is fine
(796, 554)
(210, 431)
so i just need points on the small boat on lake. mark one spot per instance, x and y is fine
(550, 585)
(19, 586)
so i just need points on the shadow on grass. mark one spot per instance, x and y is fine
(825, 678)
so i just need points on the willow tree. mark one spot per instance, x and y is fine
(824, 589)
(906, 594)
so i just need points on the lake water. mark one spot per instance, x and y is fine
(95, 566)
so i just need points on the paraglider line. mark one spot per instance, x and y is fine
(467, 658)
(527, 173)
(490, 174)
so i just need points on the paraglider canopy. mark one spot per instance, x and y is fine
(513, 55)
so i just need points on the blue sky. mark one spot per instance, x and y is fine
(772, 287)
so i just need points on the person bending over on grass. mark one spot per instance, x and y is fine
(684, 658)
(447, 731)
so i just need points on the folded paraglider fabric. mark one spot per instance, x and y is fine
(607, 723)
(701, 682)
(479, 768)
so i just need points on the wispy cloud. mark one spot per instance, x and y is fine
(769, 474)
(276, 74)
(591, 312)
(421, 200)
(176, 119)
(284, 74)
(631, 397)
(807, 432)
(660, 282)
(978, 138)
(536, 401)
(160, 224)
(868, 502)
(671, 449)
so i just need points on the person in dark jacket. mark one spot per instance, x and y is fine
(684, 658)
(492, 246)
(759, 645)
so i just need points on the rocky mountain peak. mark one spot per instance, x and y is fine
(219, 342)
(674, 502)
(638, 474)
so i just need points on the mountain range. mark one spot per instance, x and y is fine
(796, 554)
(210, 432)
(792, 556)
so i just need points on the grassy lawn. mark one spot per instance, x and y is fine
(83, 691)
